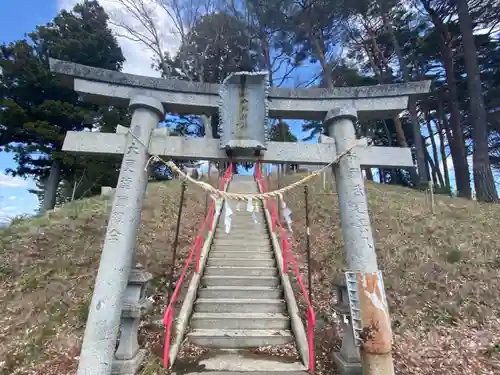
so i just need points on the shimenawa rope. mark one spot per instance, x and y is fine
(239, 196)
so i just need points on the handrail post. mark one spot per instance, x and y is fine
(176, 241)
(308, 244)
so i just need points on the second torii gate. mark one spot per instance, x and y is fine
(245, 101)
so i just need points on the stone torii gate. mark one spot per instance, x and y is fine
(244, 101)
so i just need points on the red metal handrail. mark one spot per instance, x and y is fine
(289, 258)
(195, 249)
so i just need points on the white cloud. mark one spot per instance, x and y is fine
(138, 57)
(12, 197)
(8, 208)
(11, 182)
(4, 220)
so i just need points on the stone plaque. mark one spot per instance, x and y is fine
(244, 112)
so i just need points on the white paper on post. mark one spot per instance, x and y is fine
(256, 206)
(253, 207)
(287, 214)
(228, 215)
(218, 204)
(249, 205)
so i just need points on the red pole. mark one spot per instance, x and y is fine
(167, 320)
(310, 338)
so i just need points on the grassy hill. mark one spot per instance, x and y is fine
(47, 271)
(442, 274)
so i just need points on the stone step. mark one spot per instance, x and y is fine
(240, 271)
(235, 292)
(243, 233)
(246, 216)
(248, 221)
(238, 305)
(227, 338)
(233, 252)
(240, 281)
(243, 242)
(245, 238)
(214, 260)
(258, 232)
(242, 361)
(216, 247)
(242, 226)
(242, 229)
(240, 321)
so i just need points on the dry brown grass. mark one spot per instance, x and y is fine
(441, 271)
(442, 274)
(47, 271)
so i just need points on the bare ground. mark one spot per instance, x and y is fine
(442, 275)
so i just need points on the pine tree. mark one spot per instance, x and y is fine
(38, 109)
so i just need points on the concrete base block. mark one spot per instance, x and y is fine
(347, 368)
(128, 366)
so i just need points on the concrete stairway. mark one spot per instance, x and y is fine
(240, 302)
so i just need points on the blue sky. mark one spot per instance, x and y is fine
(16, 19)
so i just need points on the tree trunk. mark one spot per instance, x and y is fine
(483, 177)
(457, 144)
(267, 58)
(434, 147)
(412, 105)
(369, 174)
(403, 143)
(214, 125)
(51, 185)
(381, 175)
(400, 133)
(389, 143)
(417, 136)
(207, 126)
(433, 167)
(378, 72)
(327, 70)
(378, 54)
(442, 124)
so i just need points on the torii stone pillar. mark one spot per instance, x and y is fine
(103, 322)
(371, 317)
